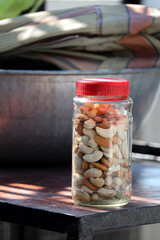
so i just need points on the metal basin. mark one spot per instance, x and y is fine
(36, 111)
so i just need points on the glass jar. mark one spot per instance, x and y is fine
(102, 133)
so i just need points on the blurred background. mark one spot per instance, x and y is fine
(61, 4)
(149, 132)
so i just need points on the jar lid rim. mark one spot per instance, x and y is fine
(102, 87)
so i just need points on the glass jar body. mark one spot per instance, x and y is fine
(101, 151)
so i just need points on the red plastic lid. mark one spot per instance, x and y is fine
(102, 87)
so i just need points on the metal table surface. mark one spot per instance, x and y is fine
(42, 198)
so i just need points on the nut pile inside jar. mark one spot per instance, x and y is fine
(101, 166)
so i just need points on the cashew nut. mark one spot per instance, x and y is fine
(121, 185)
(108, 155)
(115, 161)
(118, 181)
(77, 181)
(121, 131)
(89, 124)
(120, 194)
(94, 157)
(108, 173)
(106, 193)
(86, 189)
(85, 139)
(124, 150)
(92, 143)
(118, 153)
(78, 139)
(89, 142)
(114, 168)
(106, 133)
(98, 182)
(96, 197)
(108, 180)
(82, 196)
(85, 149)
(77, 164)
(92, 173)
(110, 150)
(89, 133)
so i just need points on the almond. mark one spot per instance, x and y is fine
(84, 108)
(104, 142)
(79, 128)
(85, 166)
(81, 117)
(111, 119)
(100, 166)
(117, 114)
(105, 124)
(104, 105)
(89, 184)
(103, 175)
(76, 149)
(116, 140)
(91, 113)
(120, 173)
(98, 119)
(125, 165)
(89, 104)
(80, 154)
(106, 162)
(110, 110)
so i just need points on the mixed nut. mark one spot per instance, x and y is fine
(101, 161)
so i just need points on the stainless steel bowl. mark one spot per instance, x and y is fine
(36, 110)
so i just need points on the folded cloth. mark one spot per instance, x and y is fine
(86, 38)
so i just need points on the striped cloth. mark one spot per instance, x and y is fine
(87, 38)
